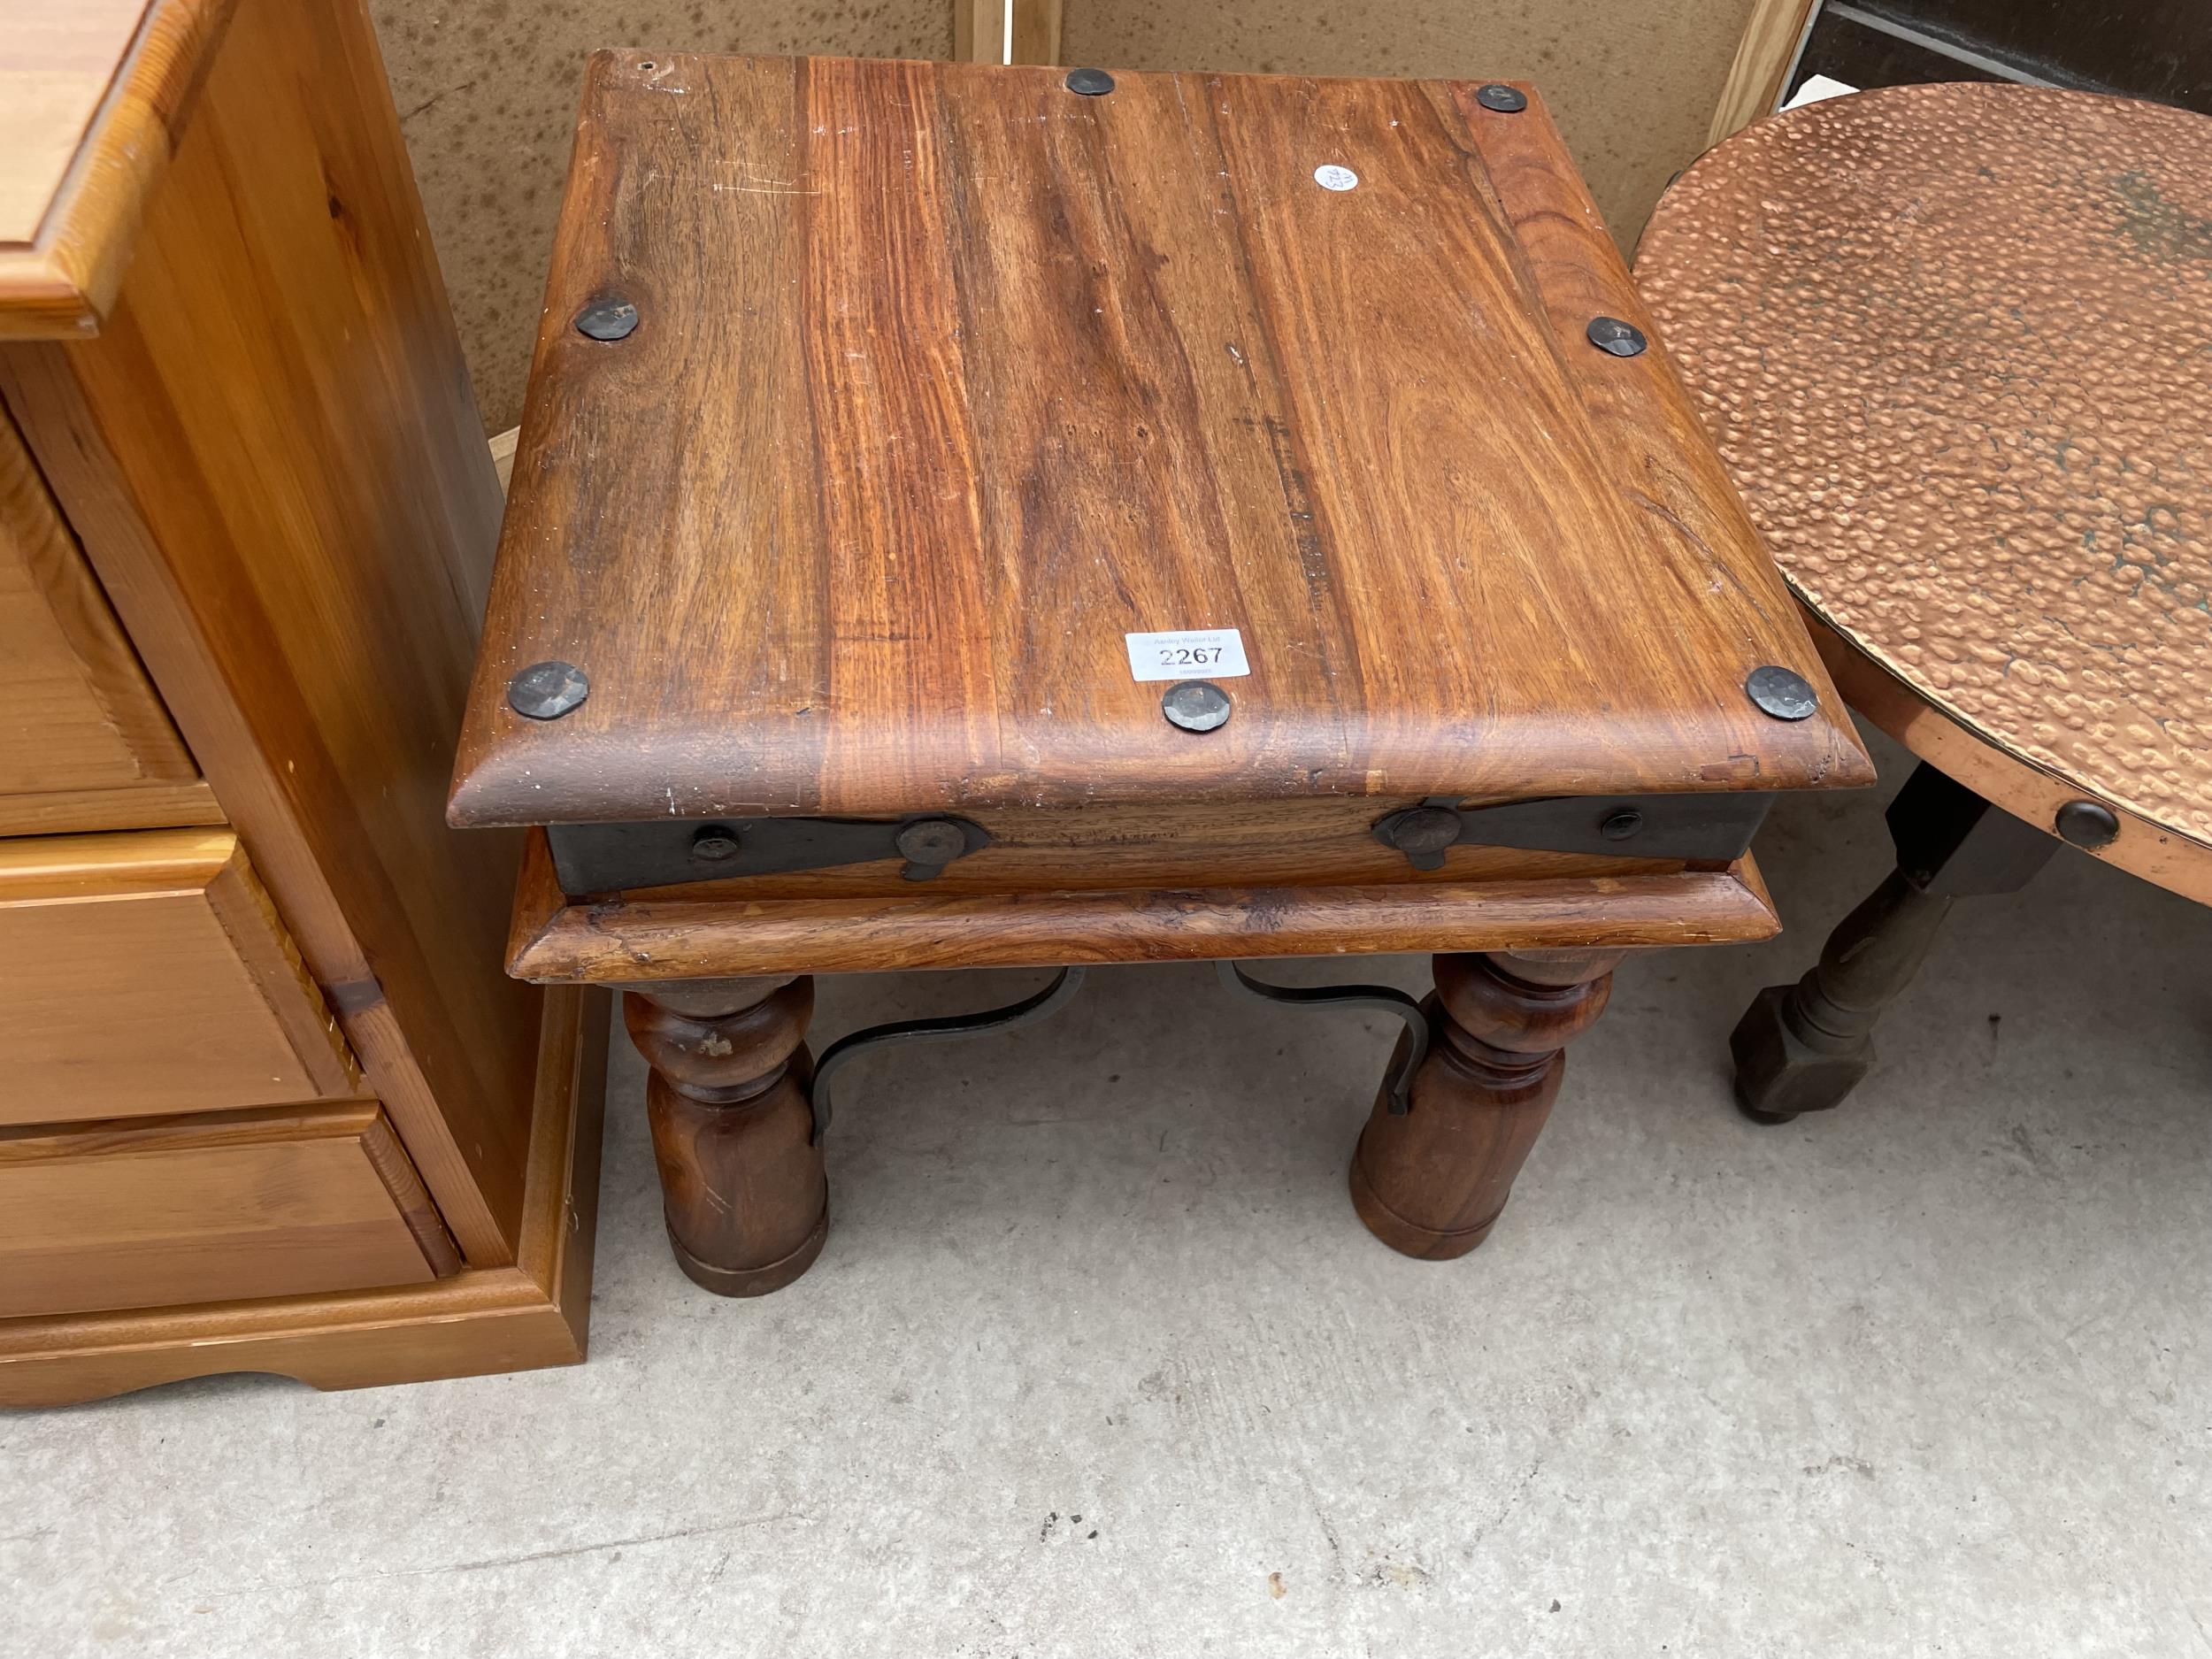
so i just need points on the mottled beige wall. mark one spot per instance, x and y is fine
(1633, 83)
(486, 92)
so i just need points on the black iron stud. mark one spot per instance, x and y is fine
(607, 319)
(546, 691)
(931, 840)
(1505, 100)
(2089, 824)
(1196, 705)
(1780, 692)
(1091, 83)
(1611, 334)
(1619, 825)
(714, 842)
(1423, 829)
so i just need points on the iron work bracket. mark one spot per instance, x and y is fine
(1377, 998)
(850, 1047)
(666, 852)
(1713, 827)
(1710, 826)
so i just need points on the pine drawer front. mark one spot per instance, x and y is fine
(77, 713)
(221, 1208)
(146, 974)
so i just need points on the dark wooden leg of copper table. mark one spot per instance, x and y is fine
(1432, 1180)
(741, 1165)
(1802, 1048)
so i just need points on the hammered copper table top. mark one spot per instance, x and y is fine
(1955, 345)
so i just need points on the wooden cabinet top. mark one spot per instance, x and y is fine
(876, 403)
(91, 93)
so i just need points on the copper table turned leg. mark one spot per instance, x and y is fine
(1803, 1047)
(1430, 1181)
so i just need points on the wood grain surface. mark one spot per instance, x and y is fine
(535, 1312)
(639, 939)
(1431, 1181)
(272, 459)
(132, 806)
(77, 715)
(147, 973)
(93, 96)
(193, 1209)
(735, 1138)
(56, 65)
(947, 377)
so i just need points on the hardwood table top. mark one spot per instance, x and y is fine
(877, 403)
(1955, 345)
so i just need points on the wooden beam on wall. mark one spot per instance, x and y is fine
(981, 28)
(1763, 60)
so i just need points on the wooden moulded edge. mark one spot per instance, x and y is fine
(479, 1320)
(242, 909)
(360, 1121)
(555, 941)
(126, 807)
(61, 285)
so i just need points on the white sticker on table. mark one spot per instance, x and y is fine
(1190, 654)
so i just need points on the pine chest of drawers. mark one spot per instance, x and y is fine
(267, 1101)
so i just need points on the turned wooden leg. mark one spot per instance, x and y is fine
(1432, 1180)
(1802, 1048)
(742, 1181)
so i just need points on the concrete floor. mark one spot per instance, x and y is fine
(1098, 1361)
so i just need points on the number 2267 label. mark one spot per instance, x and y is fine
(1193, 653)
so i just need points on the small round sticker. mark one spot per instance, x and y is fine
(1329, 176)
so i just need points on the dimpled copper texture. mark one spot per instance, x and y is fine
(1955, 343)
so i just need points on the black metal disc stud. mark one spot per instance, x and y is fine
(1423, 829)
(1780, 692)
(2089, 824)
(1091, 83)
(1195, 706)
(715, 842)
(546, 691)
(1611, 334)
(1504, 99)
(1620, 824)
(931, 840)
(607, 319)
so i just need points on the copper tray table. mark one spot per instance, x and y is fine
(1955, 344)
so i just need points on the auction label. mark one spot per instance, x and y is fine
(1192, 654)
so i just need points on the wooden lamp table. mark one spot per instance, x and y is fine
(972, 516)
(1953, 344)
